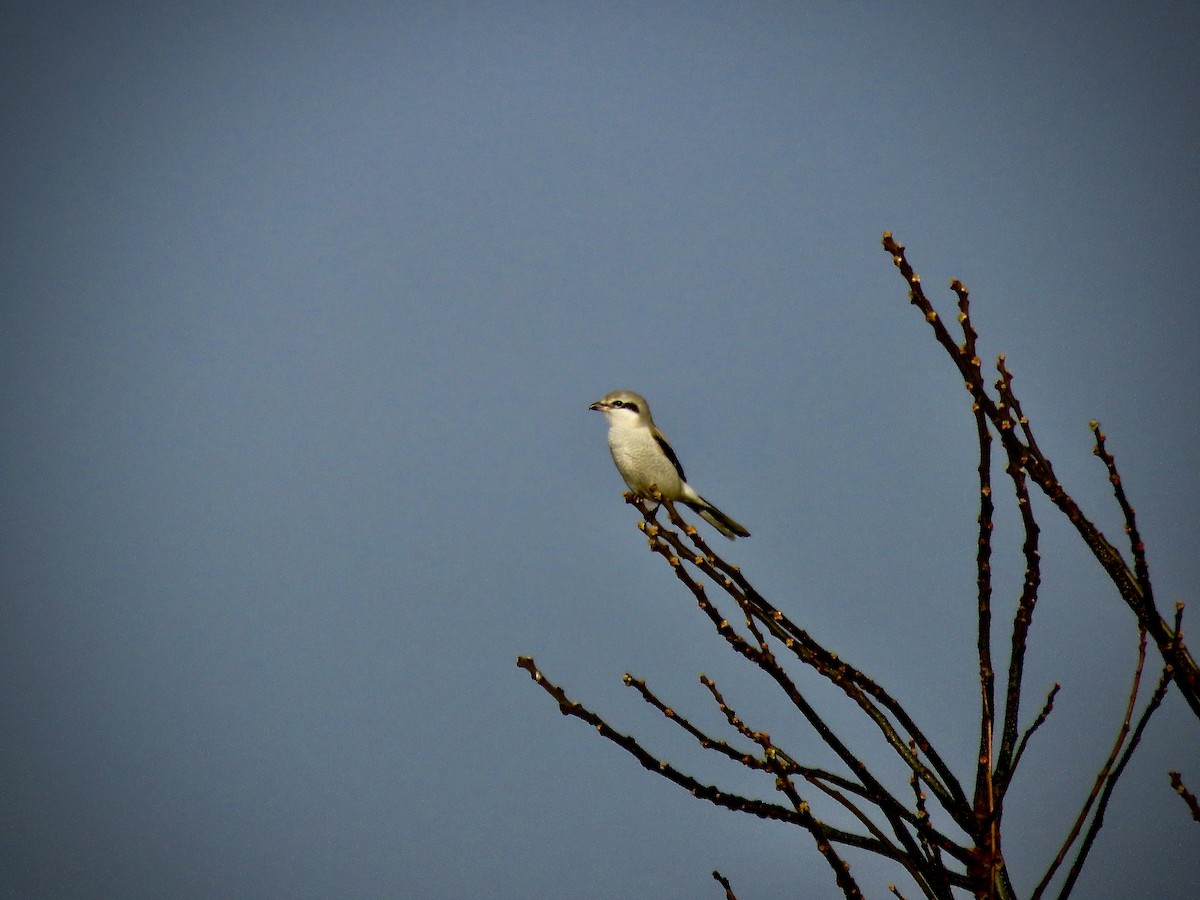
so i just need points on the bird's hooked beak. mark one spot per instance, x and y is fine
(599, 406)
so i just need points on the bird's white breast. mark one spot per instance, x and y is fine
(642, 463)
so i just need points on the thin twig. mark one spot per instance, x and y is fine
(1106, 771)
(987, 811)
(1047, 708)
(1160, 691)
(706, 741)
(1027, 602)
(928, 845)
(1138, 549)
(724, 882)
(1188, 797)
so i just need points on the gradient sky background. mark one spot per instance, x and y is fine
(303, 307)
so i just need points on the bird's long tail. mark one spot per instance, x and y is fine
(718, 519)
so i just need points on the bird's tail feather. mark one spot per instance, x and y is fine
(718, 519)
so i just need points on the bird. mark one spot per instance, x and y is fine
(646, 460)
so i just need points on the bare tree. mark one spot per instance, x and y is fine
(956, 846)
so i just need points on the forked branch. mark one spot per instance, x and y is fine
(1133, 585)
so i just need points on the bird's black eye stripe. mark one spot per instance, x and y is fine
(625, 404)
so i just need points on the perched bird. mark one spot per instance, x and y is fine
(645, 459)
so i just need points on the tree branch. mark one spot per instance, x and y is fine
(823, 834)
(1188, 797)
(1106, 771)
(1184, 668)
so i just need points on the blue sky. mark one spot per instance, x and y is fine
(303, 308)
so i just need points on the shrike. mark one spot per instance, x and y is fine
(644, 458)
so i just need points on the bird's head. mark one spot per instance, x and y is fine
(624, 409)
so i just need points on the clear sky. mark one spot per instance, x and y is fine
(302, 310)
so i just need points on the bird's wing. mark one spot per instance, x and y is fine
(666, 448)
